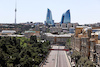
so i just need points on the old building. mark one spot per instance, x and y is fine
(78, 30)
(54, 38)
(87, 42)
(8, 32)
(28, 34)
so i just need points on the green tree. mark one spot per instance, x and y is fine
(75, 56)
(85, 62)
(33, 39)
(68, 44)
(15, 50)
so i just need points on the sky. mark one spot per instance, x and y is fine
(82, 11)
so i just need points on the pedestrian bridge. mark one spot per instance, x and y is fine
(60, 49)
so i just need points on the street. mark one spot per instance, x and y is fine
(57, 58)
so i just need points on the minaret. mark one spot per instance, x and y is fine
(15, 10)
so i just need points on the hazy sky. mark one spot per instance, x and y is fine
(82, 11)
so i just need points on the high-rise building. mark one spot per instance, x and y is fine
(49, 20)
(66, 17)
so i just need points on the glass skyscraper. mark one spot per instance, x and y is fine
(66, 17)
(49, 20)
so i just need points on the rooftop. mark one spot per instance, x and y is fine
(30, 31)
(8, 31)
(55, 35)
(12, 35)
(95, 29)
(81, 26)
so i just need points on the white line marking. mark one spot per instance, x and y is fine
(56, 60)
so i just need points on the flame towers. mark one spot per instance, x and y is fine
(49, 20)
(66, 17)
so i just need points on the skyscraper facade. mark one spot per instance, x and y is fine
(66, 17)
(49, 20)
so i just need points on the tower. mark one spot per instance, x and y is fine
(15, 10)
(49, 20)
(66, 17)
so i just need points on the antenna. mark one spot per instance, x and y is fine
(15, 9)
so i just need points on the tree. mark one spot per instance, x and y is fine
(85, 62)
(76, 56)
(68, 44)
(33, 39)
(26, 61)
(18, 51)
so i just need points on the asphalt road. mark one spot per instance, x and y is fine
(57, 58)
